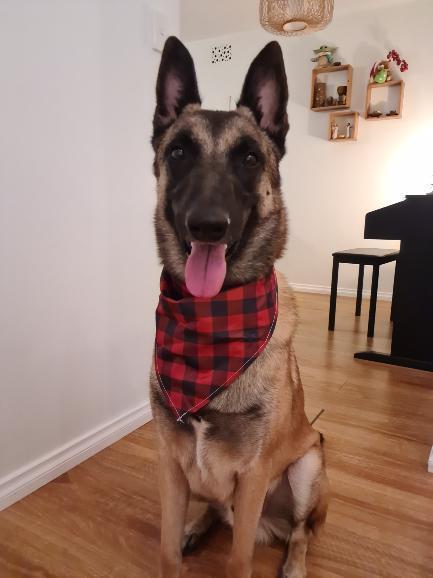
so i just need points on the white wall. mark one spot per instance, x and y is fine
(205, 18)
(329, 187)
(78, 268)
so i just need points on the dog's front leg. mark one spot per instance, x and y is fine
(248, 504)
(174, 503)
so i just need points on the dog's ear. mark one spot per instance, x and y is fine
(265, 93)
(176, 85)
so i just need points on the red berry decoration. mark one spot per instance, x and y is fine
(394, 56)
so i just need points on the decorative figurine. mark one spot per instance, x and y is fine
(320, 95)
(334, 131)
(342, 94)
(324, 56)
(392, 113)
(375, 113)
(330, 101)
(381, 70)
(348, 127)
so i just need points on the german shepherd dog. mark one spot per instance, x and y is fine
(251, 453)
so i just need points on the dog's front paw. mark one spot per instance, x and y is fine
(190, 542)
(293, 571)
(198, 528)
(238, 569)
(169, 567)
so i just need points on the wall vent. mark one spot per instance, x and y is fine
(221, 53)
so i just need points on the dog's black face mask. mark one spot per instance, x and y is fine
(211, 197)
(217, 171)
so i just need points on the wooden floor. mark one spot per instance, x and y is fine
(102, 518)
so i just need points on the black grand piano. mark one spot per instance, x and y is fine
(411, 221)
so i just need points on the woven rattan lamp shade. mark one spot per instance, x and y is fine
(294, 17)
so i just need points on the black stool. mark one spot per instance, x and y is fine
(361, 257)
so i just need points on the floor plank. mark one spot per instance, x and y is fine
(102, 518)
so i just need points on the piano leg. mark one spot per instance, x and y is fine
(394, 360)
(333, 299)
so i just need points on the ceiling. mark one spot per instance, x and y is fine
(209, 18)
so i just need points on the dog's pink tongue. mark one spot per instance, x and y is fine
(205, 269)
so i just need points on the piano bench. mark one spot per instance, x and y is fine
(361, 257)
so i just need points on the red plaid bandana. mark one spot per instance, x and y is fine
(203, 344)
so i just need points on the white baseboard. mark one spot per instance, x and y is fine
(29, 478)
(343, 292)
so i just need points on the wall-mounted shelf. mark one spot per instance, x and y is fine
(341, 119)
(389, 83)
(325, 108)
(318, 78)
(394, 99)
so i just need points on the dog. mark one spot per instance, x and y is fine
(250, 453)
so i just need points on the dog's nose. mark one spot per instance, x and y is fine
(209, 228)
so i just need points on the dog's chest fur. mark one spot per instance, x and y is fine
(224, 438)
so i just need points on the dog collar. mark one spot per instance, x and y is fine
(203, 344)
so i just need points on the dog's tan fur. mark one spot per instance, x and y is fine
(253, 456)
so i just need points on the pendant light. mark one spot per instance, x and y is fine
(295, 17)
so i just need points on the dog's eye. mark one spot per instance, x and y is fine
(177, 153)
(250, 160)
